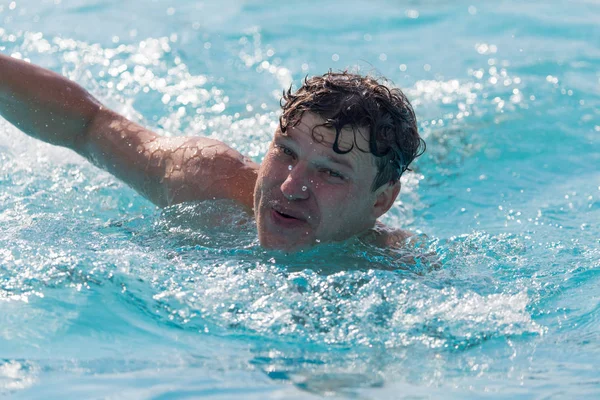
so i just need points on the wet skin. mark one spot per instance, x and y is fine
(306, 193)
(302, 194)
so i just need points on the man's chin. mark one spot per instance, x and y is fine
(288, 245)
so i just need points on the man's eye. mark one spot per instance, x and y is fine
(285, 150)
(333, 174)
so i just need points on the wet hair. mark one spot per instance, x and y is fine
(347, 100)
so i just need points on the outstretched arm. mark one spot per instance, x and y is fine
(51, 108)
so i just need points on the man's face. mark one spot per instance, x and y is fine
(306, 193)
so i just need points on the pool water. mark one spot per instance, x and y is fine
(103, 295)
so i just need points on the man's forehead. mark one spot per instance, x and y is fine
(311, 128)
(314, 126)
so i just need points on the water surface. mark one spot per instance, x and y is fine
(104, 295)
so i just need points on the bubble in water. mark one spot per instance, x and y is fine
(304, 188)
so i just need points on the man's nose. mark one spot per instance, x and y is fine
(295, 187)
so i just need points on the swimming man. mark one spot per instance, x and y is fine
(332, 169)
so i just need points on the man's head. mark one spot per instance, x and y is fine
(335, 162)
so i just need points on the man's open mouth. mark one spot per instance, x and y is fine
(284, 215)
(288, 218)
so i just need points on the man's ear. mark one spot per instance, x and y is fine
(385, 197)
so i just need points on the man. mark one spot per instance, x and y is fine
(333, 167)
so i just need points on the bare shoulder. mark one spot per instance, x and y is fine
(168, 170)
(384, 236)
(199, 168)
(409, 248)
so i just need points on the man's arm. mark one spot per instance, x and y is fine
(165, 170)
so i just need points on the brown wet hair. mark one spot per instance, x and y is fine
(347, 100)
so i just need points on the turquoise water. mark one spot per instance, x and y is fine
(102, 295)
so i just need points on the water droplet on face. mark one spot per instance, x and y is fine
(304, 188)
(289, 167)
